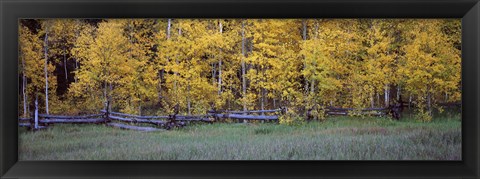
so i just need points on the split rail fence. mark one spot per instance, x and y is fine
(124, 121)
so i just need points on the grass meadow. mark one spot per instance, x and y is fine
(338, 138)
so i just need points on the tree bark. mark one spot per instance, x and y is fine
(220, 66)
(36, 112)
(244, 83)
(214, 73)
(378, 99)
(409, 101)
(105, 93)
(162, 71)
(429, 103)
(188, 98)
(24, 86)
(387, 93)
(26, 98)
(398, 93)
(160, 77)
(312, 86)
(46, 69)
(274, 103)
(169, 26)
(262, 91)
(65, 63)
(109, 97)
(177, 62)
(77, 32)
(76, 68)
(372, 101)
(304, 35)
(263, 98)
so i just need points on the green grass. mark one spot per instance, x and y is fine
(339, 138)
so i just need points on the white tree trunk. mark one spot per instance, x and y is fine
(398, 93)
(312, 86)
(262, 99)
(36, 112)
(304, 35)
(409, 101)
(105, 94)
(378, 99)
(387, 93)
(46, 70)
(77, 32)
(24, 86)
(169, 26)
(220, 67)
(162, 71)
(177, 62)
(110, 101)
(76, 68)
(262, 91)
(244, 83)
(188, 99)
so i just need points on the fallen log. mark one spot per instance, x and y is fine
(190, 117)
(337, 113)
(351, 109)
(346, 113)
(156, 122)
(200, 118)
(136, 116)
(194, 119)
(339, 109)
(374, 109)
(243, 112)
(256, 111)
(24, 125)
(148, 119)
(24, 119)
(246, 117)
(50, 121)
(70, 117)
(138, 128)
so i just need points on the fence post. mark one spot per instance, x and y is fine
(107, 112)
(36, 113)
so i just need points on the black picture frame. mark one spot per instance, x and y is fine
(468, 10)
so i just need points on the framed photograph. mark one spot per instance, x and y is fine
(240, 89)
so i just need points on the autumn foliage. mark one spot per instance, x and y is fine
(147, 66)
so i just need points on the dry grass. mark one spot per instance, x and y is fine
(342, 138)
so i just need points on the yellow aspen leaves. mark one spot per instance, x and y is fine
(148, 66)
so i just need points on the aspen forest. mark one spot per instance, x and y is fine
(240, 89)
(147, 66)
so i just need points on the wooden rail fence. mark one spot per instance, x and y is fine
(245, 115)
(348, 111)
(117, 119)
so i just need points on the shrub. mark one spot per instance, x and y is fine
(291, 117)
